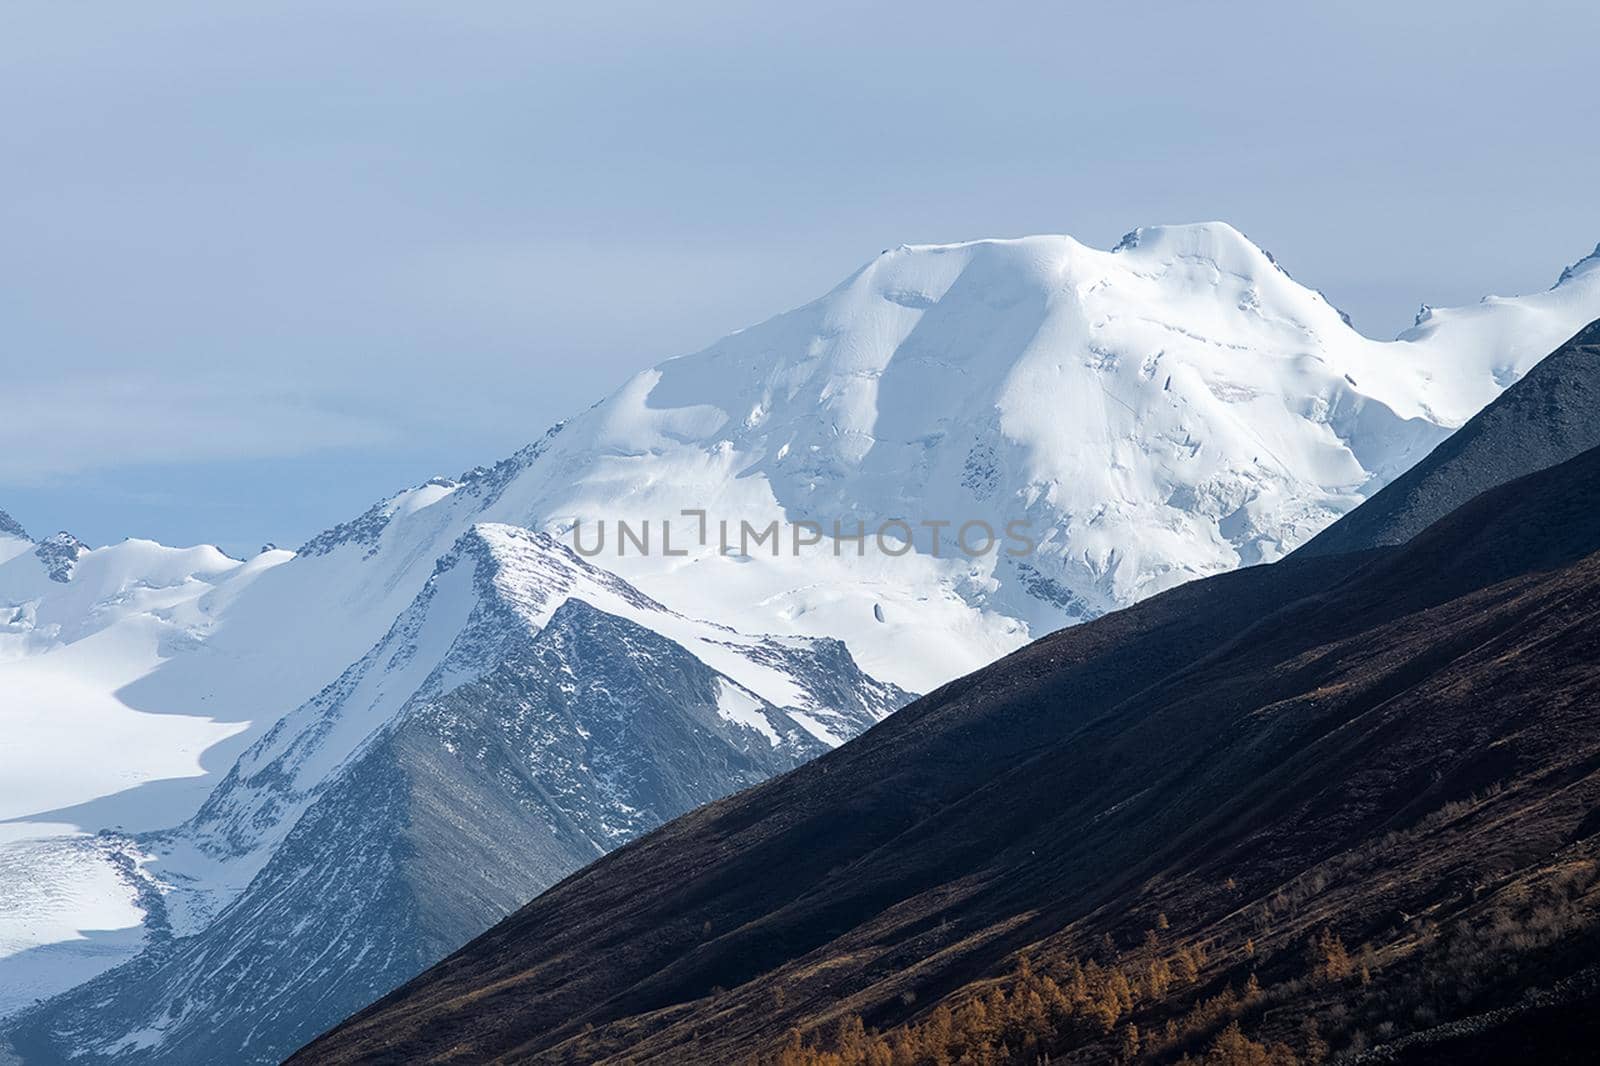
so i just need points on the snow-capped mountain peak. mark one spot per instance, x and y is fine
(1589, 264)
(60, 553)
(1175, 407)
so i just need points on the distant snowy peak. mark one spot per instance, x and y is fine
(1589, 264)
(480, 486)
(1134, 238)
(71, 590)
(532, 574)
(477, 603)
(1173, 408)
(1216, 243)
(60, 553)
(366, 528)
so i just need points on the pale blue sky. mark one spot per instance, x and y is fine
(265, 263)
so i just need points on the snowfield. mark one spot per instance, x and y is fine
(69, 650)
(69, 910)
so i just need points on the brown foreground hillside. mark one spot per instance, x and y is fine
(1333, 806)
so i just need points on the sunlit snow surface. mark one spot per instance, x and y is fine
(68, 650)
(68, 910)
(1174, 408)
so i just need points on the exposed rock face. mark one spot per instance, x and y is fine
(12, 528)
(60, 553)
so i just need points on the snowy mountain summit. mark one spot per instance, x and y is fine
(60, 553)
(1175, 407)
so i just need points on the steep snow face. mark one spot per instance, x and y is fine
(1173, 408)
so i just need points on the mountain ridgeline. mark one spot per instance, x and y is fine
(1343, 804)
(10, 527)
